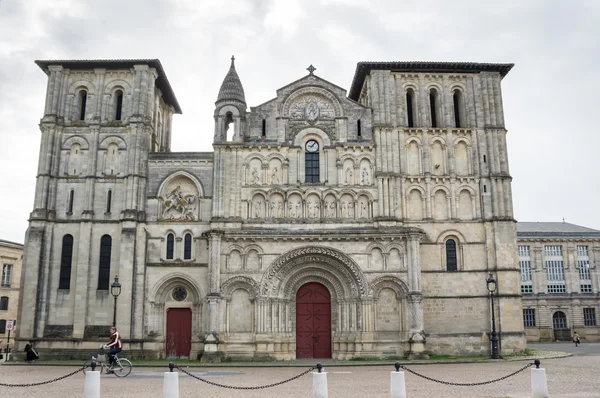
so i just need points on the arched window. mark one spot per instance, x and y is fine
(70, 202)
(104, 268)
(433, 107)
(4, 303)
(311, 161)
(82, 101)
(229, 126)
(187, 247)
(170, 246)
(451, 255)
(358, 128)
(118, 104)
(559, 320)
(410, 109)
(108, 200)
(66, 259)
(458, 108)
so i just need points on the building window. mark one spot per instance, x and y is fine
(108, 200)
(82, 100)
(410, 109)
(3, 303)
(433, 107)
(525, 266)
(583, 263)
(358, 128)
(525, 288)
(104, 268)
(170, 246)
(264, 127)
(311, 162)
(66, 259)
(554, 269)
(118, 104)
(529, 317)
(187, 247)
(451, 255)
(70, 202)
(2, 326)
(6, 275)
(457, 99)
(559, 320)
(589, 316)
(586, 288)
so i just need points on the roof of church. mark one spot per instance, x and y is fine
(554, 229)
(232, 88)
(161, 82)
(364, 68)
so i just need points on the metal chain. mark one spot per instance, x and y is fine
(246, 388)
(466, 384)
(42, 382)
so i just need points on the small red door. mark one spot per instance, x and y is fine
(179, 332)
(313, 321)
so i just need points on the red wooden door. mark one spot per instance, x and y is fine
(313, 321)
(179, 332)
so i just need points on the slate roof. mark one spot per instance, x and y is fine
(161, 82)
(364, 68)
(550, 229)
(232, 89)
(9, 243)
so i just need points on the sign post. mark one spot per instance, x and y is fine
(10, 325)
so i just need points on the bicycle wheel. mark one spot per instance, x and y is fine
(87, 366)
(123, 368)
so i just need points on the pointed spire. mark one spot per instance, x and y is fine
(232, 89)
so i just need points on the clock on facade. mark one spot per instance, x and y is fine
(312, 146)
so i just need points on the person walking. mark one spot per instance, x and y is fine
(576, 339)
(115, 346)
(30, 353)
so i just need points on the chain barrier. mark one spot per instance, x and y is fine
(245, 388)
(449, 383)
(42, 382)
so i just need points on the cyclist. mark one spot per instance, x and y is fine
(115, 345)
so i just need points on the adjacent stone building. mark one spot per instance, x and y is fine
(325, 223)
(559, 280)
(11, 258)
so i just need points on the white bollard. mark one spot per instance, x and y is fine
(397, 385)
(91, 389)
(171, 385)
(539, 383)
(320, 383)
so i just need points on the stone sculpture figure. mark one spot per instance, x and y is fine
(274, 176)
(179, 206)
(257, 209)
(332, 208)
(349, 176)
(255, 176)
(279, 209)
(344, 209)
(363, 210)
(364, 179)
(272, 207)
(298, 210)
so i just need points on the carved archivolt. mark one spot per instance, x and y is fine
(163, 288)
(113, 139)
(289, 263)
(75, 139)
(310, 274)
(311, 104)
(239, 282)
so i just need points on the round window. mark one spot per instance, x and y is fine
(179, 293)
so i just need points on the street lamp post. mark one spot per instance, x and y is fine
(115, 290)
(491, 287)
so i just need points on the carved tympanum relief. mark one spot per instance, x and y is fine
(311, 109)
(180, 200)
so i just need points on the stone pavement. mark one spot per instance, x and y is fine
(575, 377)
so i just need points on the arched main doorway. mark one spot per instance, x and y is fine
(313, 321)
(559, 324)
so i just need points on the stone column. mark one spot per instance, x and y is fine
(415, 298)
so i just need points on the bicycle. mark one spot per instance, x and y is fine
(121, 367)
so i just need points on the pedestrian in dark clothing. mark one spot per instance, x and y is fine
(30, 353)
(576, 339)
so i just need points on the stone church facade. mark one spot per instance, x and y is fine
(325, 223)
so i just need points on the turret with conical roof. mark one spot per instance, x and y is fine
(230, 108)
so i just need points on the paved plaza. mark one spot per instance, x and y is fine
(575, 376)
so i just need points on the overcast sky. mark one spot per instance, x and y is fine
(550, 96)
